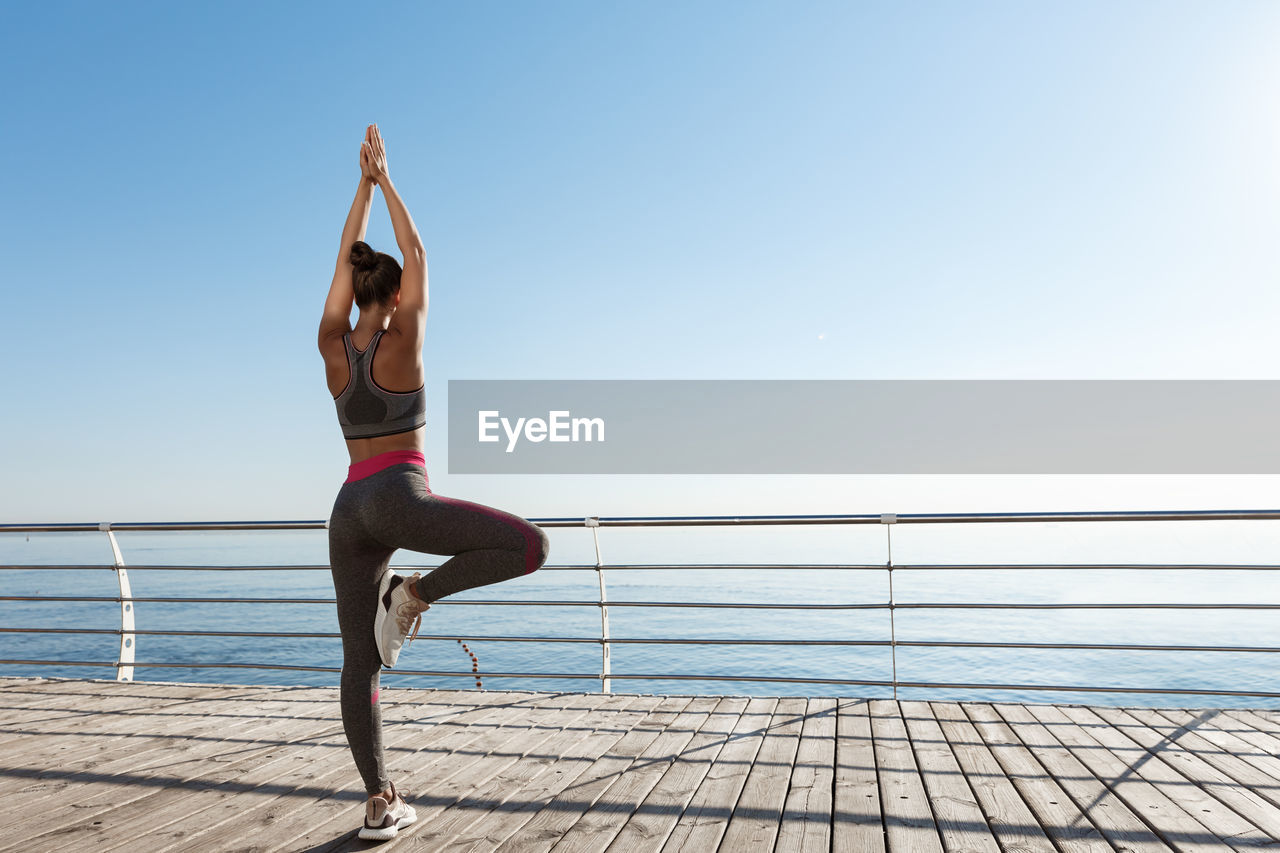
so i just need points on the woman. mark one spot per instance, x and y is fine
(375, 376)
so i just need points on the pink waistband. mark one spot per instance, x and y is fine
(374, 464)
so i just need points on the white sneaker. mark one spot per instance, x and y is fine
(382, 820)
(398, 612)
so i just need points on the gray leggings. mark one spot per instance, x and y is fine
(371, 518)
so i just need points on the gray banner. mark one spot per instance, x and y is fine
(924, 426)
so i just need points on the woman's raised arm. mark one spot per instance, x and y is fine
(411, 313)
(413, 277)
(336, 319)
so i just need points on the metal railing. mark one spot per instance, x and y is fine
(128, 631)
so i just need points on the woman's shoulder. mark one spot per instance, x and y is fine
(399, 338)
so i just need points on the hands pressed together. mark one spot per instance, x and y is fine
(373, 156)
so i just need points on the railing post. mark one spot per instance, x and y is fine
(124, 666)
(594, 523)
(888, 518)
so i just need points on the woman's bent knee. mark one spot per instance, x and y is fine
(537, 549)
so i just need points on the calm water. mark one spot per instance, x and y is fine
(1190, 542)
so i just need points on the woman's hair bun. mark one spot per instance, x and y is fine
(362, 256)
(375, 276)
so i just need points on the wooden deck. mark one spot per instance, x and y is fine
(149, 767)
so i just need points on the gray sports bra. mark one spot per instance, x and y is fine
(366, 410)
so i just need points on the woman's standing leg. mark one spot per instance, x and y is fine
(357, 561)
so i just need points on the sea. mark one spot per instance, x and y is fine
(792, 554)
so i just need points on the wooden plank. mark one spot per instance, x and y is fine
(960, 820)
(490, 730)
(550, 822)
(18, 727)
(68, 705)
(258, 767)
(908, 817)
(634, 799)
(45, 760)
(486, 800)
(89, 688)
(1226, 790)
(105, 727)
(140, 694)
(702, 823)
(1070, 829)
(1181, 813)
(60, 711)
(1234, 720)
(77, 819)
(1230, 736)
(1259, 735)
(185, 809)
(472, 797)
(1225, 769)
(21, 690)
(656, 818)
(753, 825)
(1013, 824)
(130, 743)
(442, 792)
(857, 824)
(138, 741)
(315, 794)
(806, 813)
(1256, 720)
(81, 686)
(531, 791)
(313, 768)
(312, 817)
(600, 823)
(1122, 826)
(38, 694)
(1143, 749)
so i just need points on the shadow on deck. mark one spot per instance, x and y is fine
(105, 765)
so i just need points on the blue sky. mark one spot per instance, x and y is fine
(703, 190)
